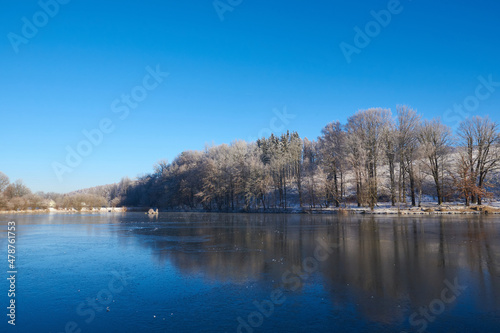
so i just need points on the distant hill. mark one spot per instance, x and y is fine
(108, 191)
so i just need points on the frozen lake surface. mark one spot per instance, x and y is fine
(204, 272)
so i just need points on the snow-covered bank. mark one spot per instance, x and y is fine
(381, 209)
(67, 211)
(426, 209)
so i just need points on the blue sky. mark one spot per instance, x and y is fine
(225, 76)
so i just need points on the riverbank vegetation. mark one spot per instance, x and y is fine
(377, 156)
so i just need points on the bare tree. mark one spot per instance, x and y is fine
(4, 181)
(160, 168)
(435, 140)
(391, 153)
(408, 122)
(332, 148)
(16, 189)
(480, 140)
(310, 153)
(357, 160)
(465, 180)
(296, 162)
(258, 181)
(369, 126)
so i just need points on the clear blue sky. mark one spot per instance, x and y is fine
(225, 77)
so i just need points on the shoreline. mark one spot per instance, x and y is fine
(66, 211)
(381, 210)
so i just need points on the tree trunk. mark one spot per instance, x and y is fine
(393, 183)
(480, 186)
(439, 194)
(412, 187)
(358, 192)
(336, 188)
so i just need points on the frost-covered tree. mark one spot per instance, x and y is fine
(367, 128)
(4, 181)
(390, 148)
(435, 140)
(408, 121)
(332, 152)
(479, 143)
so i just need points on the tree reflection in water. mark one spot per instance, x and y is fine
(385, 266)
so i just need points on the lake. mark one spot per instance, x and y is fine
(207, 272)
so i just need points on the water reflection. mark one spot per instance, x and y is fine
(381, 270)
(384, 266)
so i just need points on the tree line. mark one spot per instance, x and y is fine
(376, 156)
(17, 196)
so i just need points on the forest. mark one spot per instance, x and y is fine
(376, 157)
